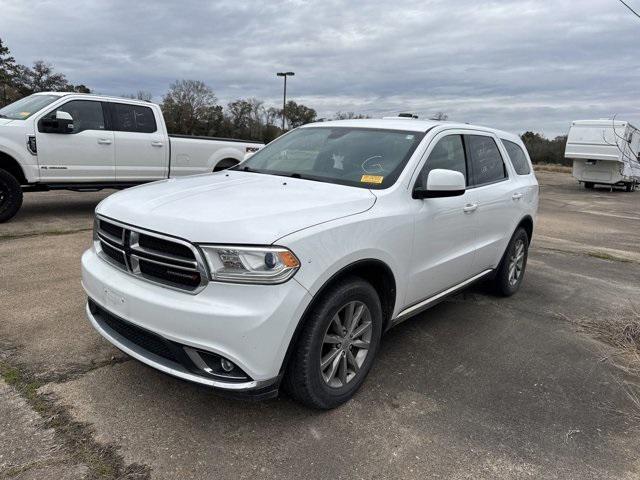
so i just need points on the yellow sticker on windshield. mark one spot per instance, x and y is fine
(25, 114)
(372, 179)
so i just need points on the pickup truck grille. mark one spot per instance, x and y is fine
(154, 257)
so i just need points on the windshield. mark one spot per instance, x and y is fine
(24, 108)
(361, 157)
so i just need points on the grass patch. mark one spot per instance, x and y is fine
(551, 167)
(608, 256)
(623, 333)
(103, 461)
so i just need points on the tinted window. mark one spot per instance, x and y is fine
(486, 162)
(448, 153)
(518, 158)
(361, 157)
(133, 118)
(86, 115)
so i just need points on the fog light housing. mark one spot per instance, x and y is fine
(216, 366)
(226, 365)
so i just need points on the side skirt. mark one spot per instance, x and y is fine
(431, 301)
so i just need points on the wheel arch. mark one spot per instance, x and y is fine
(11, 165)
(225, 153)
(527, 223)
(225, 163)
(374, 271)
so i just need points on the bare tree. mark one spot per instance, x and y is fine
(190, 107)
(41, 78)
(349, 116)
(621, 142)
(630, 8)
(139, 95)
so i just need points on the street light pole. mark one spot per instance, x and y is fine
(284, 97)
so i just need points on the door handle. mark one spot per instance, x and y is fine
(104, 141)
(516, 196)
(156, 144)
(470, 207)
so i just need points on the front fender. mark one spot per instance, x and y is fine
(27, 162)
(326, 249)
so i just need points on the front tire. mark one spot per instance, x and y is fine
(588, 185)
(10, 196)
(337, 345)
(511, 269)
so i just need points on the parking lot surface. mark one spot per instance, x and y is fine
(477, 387)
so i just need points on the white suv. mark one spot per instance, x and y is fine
(288, 268)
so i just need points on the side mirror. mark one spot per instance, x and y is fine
(62, 123)
(60, 115)
(442, 183)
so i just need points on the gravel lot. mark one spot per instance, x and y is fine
(478, 387)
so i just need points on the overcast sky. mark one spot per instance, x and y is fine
(517, 65)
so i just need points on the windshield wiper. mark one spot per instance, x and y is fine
(2, 115)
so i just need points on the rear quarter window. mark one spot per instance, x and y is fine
(518, 157)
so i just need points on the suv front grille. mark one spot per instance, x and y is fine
(157, 258)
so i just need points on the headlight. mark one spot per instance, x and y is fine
(265, 265)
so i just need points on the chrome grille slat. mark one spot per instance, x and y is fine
(138, 260)
(110, 238)
(172, 265)
(136, 247)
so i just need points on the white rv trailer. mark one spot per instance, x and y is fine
(604, 152)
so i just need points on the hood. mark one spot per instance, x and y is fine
(234, 207)
(5, 121)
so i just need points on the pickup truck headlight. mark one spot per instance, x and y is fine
(261, 265)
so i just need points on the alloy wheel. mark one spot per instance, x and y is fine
(516, 262)
(345, 345)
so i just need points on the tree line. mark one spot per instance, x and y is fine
(545, 150)
(190, 107)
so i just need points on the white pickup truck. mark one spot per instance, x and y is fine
(81, 142)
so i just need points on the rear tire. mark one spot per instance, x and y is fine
(10, 196)
(588, 185)
(629, 187)
(514, 262)
(348, 356)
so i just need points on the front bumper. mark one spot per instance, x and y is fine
(250, 325)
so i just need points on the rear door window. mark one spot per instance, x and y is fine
(133, 118)
(518, 158)
(486, 162)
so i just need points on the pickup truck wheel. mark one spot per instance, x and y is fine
(337, 345)
(511, 269)
(10, 196)
(588, 185)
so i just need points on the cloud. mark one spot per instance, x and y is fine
(517, 65)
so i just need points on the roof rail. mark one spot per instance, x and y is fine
(412, 116)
